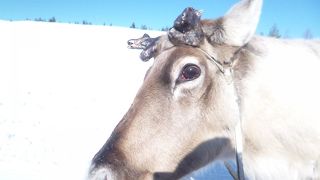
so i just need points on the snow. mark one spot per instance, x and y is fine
(63, 88)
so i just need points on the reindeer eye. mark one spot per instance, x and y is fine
(189, 72)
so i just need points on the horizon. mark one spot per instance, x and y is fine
(293, 19)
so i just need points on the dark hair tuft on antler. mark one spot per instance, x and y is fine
(187, 28)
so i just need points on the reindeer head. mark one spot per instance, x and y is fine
(183, 115)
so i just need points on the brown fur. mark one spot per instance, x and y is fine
(214, 31)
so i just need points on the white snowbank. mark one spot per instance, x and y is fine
(63, 88)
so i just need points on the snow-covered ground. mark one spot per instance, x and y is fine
(63, 88)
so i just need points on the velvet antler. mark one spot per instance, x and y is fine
(187, 28)
(147, 44)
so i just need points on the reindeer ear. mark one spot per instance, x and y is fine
(238, 26)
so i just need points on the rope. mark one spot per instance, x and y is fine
(228, 74)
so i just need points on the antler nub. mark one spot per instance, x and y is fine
(140, 43)
(147, 44)
(187, 28)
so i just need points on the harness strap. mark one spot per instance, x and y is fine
(239, 150)
(228, 74)
(216, 62)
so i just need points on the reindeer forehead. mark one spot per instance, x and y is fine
(174, 55)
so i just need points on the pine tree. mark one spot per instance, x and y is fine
(307, 34)
(53, 19)
(165, 28)
(133, 25)
(144, 27)
(274, 32)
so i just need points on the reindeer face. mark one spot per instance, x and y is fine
(182, 115)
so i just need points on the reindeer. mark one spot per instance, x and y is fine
(208, 78)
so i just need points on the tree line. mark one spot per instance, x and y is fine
(273, 31)
(53, 20)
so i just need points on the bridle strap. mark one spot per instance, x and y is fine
(212, 59)
(228, 74)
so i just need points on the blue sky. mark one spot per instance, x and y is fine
(292, 17)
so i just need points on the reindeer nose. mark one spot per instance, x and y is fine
(102, 173)
(106, 164)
